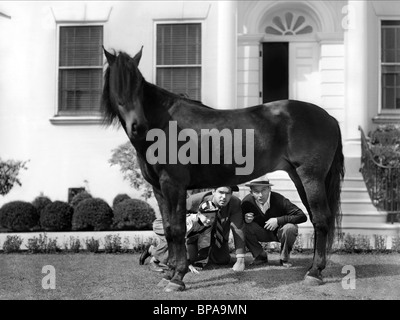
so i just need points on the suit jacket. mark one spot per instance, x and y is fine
(231, 217)
(280, 208)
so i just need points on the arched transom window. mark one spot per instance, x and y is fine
(289, 24)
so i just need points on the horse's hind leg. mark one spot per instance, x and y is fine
(314, 188)
(300, 188)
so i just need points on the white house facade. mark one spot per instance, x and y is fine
(341, 55)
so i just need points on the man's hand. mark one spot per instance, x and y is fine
(271, 224)
(249, 217)
(194, 269)
(239, 265)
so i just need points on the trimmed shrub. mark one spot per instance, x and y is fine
(92, 214)
(119, 198)
(80, 197)
(18, 216)
(133, 214)
(12, 244)
(40, 203)
(57, 216)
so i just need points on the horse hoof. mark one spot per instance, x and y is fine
(163, 283)
(174, 287)
(312, 281)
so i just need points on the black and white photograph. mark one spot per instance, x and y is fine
(218, 152)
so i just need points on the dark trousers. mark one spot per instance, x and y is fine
(286, 235)
(220, 255)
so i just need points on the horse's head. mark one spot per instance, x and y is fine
(123, 94)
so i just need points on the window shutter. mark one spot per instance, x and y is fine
(390, 68)
(81, 69)
(81, 46)
(80, 90)
(179, 58)
(181, 80)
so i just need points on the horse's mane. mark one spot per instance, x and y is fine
(123, 63)
(110, 115)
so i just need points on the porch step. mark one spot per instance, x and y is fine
(347, 194)
(385, 229)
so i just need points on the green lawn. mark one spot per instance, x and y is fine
(118, 276)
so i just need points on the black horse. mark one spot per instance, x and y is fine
(297, 137)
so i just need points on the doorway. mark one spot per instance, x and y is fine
(290, 71)
(275, 71)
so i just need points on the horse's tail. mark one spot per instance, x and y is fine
(333, 186)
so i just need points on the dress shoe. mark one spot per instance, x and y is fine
(155, 267)
(145, 254)
(259, 260)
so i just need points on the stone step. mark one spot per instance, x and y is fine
(283, 179)
(388, 231)
(359, 218)
(354, 205)
(362, 228)
(292, 194)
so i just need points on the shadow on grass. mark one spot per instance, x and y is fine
(265, 276)
(272, 275)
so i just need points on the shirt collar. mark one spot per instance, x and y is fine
(265, 206)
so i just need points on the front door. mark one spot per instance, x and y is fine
(290, 71)
(275, 71)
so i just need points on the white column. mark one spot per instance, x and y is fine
(227, 54)
(356, 71)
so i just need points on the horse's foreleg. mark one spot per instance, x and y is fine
(172, 201)
(177, 251)
(317, 200)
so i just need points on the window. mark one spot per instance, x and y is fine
(178, 62)
(80, 78)
(390, 65)
(288, 25)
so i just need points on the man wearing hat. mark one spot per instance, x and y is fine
(269, 216)
(228, 218)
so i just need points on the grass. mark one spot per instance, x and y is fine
(87, 276)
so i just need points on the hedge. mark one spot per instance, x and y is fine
(92, 214)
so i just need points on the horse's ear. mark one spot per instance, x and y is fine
(110, 57)
(137, 57)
